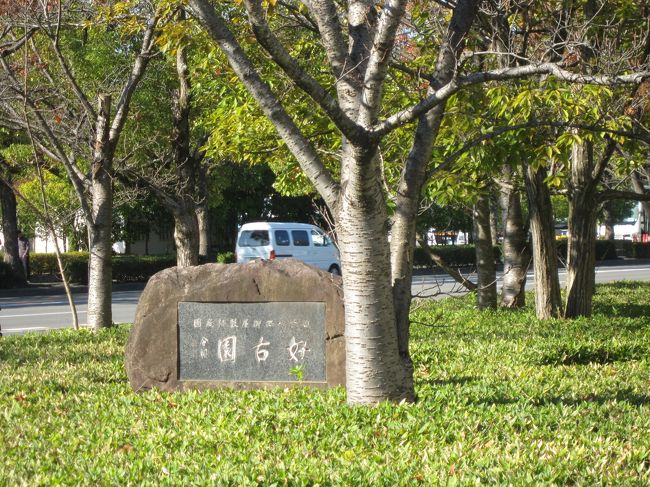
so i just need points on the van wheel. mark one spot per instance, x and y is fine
(335, 270)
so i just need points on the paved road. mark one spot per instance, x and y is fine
(44, 307)
(440, 286)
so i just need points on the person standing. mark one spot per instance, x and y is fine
(23, 252)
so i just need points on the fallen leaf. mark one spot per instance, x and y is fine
(126, 448)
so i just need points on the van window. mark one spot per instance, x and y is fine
(319, 239)
(300, 238)
(282, 238)
(254, 238)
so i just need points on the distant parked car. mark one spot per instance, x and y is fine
(277, 240)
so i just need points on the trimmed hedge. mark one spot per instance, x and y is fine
(640, 250)
(7, 279)
(465, 255)
(454, 255)
(605, 249)
(126, 268)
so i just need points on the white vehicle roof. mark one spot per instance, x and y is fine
(276, 226)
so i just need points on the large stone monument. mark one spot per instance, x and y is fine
(255, 325)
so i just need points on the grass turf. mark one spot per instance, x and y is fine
(503, 399)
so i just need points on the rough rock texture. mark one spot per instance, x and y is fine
(152, 350)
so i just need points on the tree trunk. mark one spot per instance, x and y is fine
(186, 226)
(494, 213)
(374, 369)
(547, 285)
(10, 232)
(487, 287)
(581, 250)
(202, 215)
(639, 188)
(516, 251)
(186, 237)
(608, 222)
(407, 198)
(100, 275)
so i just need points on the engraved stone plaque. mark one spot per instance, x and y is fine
(257, 342)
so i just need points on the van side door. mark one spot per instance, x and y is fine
(283, 248)
(302, 246)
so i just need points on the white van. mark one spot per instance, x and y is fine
(275, 240)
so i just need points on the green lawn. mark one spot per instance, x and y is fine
(503, 398)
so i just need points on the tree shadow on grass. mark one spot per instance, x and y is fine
(587, 354)
(625, 311)
(627, 396)
(456, 381)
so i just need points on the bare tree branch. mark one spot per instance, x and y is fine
(610, 194)
(309, 85)
(379, 60)
(137, 71)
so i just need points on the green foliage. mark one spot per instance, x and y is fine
(503, 399)
(226, 257)
(131, 268)
(126, 268)
(640, 250)
(63, 206)
(75, 264)
(7, 279)
(605, 249)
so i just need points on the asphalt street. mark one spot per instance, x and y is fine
(42, 307)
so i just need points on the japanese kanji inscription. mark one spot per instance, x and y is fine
(251, 341)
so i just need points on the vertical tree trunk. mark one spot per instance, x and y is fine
(487, 287)
(608, 222)
(100, 274)
(186, 236)
(639, 188)
(186, 226)
(547, 284)
(10, 230)
(581, 250)
(413, 177)
(374, 369)
(202, 215)
(494, 214)
(516, 251)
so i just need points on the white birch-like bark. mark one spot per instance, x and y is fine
(516, 251)
(373, 368)
(100, 241)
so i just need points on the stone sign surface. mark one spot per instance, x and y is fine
(251, 341)
(286, 314)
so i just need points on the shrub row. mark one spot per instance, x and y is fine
(605, 249)
(636, 250)
(6, 276)
(453, 255)
(126, 268)
(460, 255)
(130, 268)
